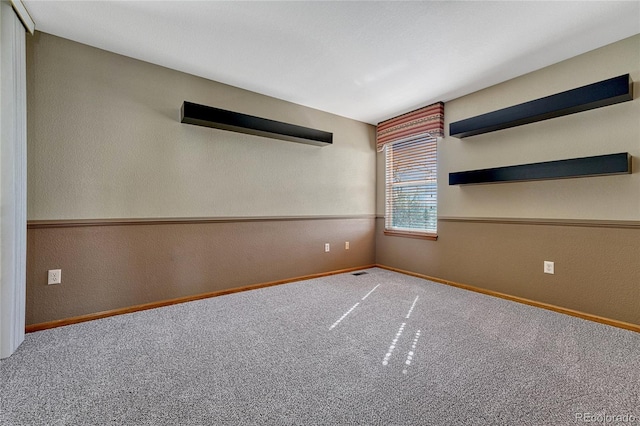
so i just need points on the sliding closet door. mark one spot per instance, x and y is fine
(13, 180)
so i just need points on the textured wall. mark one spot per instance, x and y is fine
(597, 266)
(105, 141)
(110, 267)
(605, 130)
(597, 269)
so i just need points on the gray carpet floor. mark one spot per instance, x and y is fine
(376, 349)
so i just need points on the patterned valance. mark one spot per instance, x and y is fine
(429, 119)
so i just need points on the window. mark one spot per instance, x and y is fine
(411, 187)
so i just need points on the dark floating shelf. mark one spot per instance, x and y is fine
(611, 164)
(207, 116)
(596, 95)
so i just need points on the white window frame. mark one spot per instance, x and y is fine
(420, 165)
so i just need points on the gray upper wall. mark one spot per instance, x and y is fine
(605, 130)
(105, 141)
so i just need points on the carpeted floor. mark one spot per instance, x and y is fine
(375, 349)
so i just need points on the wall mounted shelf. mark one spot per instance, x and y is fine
(217, 118)
(610, 164)
(596, 95)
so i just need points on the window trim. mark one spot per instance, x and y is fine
(412, 234)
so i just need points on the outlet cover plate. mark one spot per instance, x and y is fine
(54, 276)
(549, 267)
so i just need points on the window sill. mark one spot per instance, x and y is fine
(409, 234)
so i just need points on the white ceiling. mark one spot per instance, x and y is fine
(365, 60)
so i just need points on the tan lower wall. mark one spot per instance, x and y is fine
(597, 268)
(115, 265)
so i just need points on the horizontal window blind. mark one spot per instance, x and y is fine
(411, 185)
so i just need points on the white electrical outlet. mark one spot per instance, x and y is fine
(55, 276)
(327, 247)
(548, 267)
(346, 245)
